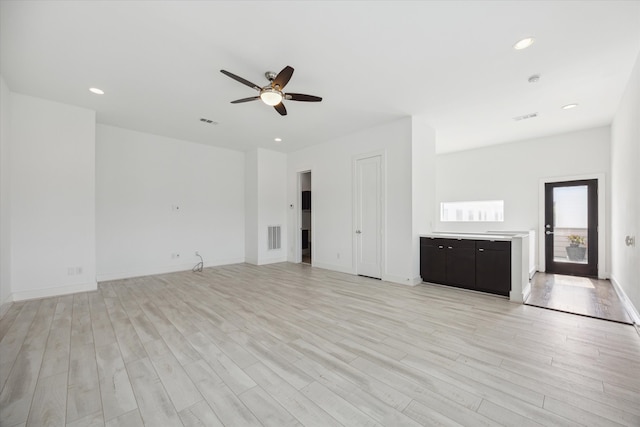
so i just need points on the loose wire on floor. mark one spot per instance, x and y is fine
(198, 267)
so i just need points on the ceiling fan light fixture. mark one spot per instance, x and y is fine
(524, 43)
(271, 96)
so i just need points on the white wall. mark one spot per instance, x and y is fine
(625, 198)
(423, 184)
(5, 199)
(52, 196)
(512, 172)
(272, 203)
(158, 196)
(266, 204)
(331, 165)
(251, 207)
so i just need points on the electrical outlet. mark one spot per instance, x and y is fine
(78, 270)
(71, 271)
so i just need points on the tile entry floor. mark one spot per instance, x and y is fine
(579, 295)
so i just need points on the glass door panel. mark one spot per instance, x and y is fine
(571, 226)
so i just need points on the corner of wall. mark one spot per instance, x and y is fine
(5, 197)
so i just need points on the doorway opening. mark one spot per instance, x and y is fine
(306, 236)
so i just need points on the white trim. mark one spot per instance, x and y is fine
(402, 280)
(5, 306)
(163, 270)
(53, 292)
(333, 267)
(602, 220)
(626, 302)
(272, 260)
(383, 209)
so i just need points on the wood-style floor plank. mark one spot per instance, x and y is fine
(115, 386)
(291, 345)
(154, 404)
(49, 401)
(20, 386)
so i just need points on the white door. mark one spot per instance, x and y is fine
(369, 216)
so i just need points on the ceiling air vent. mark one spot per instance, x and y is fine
(208, 121)
(525, 117)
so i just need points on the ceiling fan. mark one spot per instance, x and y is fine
(272, 94)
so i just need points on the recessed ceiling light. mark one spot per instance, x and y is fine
(277, 139)
(524, 43)
(569, 106)
(96, 91)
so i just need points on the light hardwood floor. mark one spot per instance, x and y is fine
(288, 344)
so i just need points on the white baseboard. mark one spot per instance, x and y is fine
(272, 260)
(5, 306)
(103, 277)
(626, 302)
(401, 280)
(333, 267)
(54, 292)
(520, 296)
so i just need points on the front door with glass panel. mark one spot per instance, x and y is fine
(571, 227)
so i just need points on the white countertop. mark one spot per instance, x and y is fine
(471, 236)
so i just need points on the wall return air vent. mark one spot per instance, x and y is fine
(273, 238)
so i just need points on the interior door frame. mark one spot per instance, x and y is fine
(383, 208)
(602, 229)
(298, 230)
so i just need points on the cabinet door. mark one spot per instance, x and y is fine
(493, 267)
(461, 264)
(432, 260)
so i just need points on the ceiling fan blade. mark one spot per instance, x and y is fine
(241, 80)
(302, 97)
(238, 101)
(282, 78)
(280, 109)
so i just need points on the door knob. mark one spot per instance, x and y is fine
(358, 232)
(548, 232)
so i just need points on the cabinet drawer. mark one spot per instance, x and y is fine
(454, 243)
(493, 245)
(430, 241)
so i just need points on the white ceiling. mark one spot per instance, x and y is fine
(451, 62)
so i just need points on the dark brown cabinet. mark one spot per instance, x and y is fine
(448, 261)
(471, 264)
(493, 267)
(433, 257)
(461, 263)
